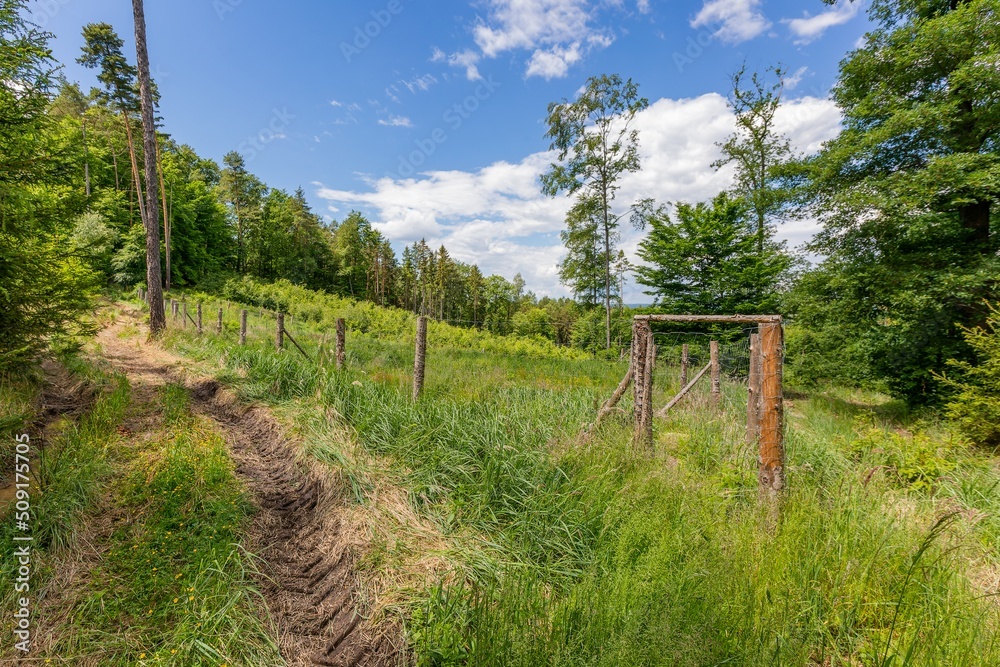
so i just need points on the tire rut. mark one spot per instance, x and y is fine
(309, 579)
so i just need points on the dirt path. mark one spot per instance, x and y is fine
(309, 580)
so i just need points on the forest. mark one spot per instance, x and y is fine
(478, 526)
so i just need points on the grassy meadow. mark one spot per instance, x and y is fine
(566, 552)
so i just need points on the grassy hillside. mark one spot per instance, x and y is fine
(571, 554)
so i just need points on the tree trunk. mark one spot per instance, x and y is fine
(976, 218)
(135, 166)
(607, 273)
(166, 218)
(157, 319)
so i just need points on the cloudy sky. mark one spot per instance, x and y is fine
(429, 116)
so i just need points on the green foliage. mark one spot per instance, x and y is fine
(534, 322)
(975, 404)
(709, 261)
(756, 149)
(589, 331)
(588, 554)
(388, 322)
(597, 146)
(906, 193)
(43, 289)
(914, 460)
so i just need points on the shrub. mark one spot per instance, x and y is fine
(975, 406)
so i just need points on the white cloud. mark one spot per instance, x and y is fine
(738, 20)
(396, 121)
(792, 81)
(498, 218)
(643, 6)
(420, 84)
(557, 33)
(464, 59)
(809, 28)
(553, 63)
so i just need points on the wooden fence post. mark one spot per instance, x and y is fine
(341, 339)
(184, 316)
(753, 392)
(772, 446)
(280, 332)
(685, 363)
(419, 359)
(199, 317)
(243, 327)
(644, 356)
(138, 293)
(713, 347)
(218, 326)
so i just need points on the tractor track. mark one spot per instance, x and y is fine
(308, 575)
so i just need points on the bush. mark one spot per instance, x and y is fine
(975, 406)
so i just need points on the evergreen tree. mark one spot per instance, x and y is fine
(708, 261)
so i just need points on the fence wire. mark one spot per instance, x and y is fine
(734, 355)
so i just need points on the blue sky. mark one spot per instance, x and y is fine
(429, 116)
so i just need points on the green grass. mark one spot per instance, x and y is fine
(175, 587)
(599, 555)
(169, 582)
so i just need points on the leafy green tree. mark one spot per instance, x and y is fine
(756, 149)
(906, 194)
(708, 261)
(596, 145)
(534, 322)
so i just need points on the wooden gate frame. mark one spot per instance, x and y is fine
(765, 411)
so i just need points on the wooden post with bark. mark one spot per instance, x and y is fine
(685, 363)
(713, 347)
(341, 341)
(280, 332)
(420, 357)
(643, 360)
(767, 370)
(218, 324)
(199, 317)
(772, 445)
(753, 392)
(184, 315)
(243, 327)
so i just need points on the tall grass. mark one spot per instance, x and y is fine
(596, 554)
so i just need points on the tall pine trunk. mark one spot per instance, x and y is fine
(157, 318)
(135, 165)
(166, 218)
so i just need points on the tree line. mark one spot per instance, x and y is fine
(905, 195)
